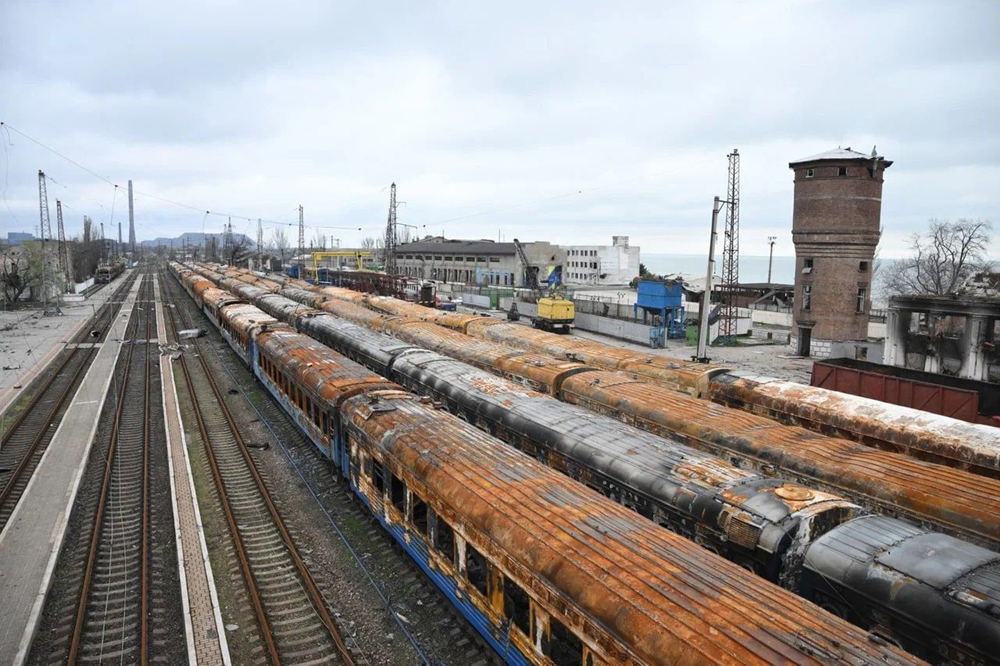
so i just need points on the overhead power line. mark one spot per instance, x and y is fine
(199, 209)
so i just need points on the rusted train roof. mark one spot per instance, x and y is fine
(246, 318)
(955, 500)
(665, 597)
(673, 373)
(328, 375)
(951, 440)
(638, 460)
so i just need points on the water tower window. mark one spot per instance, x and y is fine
(807, 296)
(862, 297)
(841, 171)
(863, 266)
(807, 266)
(810, 173)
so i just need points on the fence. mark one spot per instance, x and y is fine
(604, 308)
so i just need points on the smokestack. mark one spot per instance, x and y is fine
(131, 221)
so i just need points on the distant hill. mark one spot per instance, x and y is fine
(194, 238)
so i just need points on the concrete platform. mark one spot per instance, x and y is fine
(33, 341)
(31, 540)
(206, 635)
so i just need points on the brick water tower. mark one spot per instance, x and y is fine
(836, 228)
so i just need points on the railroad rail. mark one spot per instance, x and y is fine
(25, 440)
(304, 631)
(115, 595)
(107, 617)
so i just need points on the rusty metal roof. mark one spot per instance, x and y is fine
(666, 598)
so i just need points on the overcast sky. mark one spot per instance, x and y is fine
(566, 122)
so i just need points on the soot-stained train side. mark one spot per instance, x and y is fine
(768, 525)
(545, 569)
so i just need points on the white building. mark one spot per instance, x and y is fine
(601, 264)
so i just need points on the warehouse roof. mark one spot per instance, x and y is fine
(458, 247)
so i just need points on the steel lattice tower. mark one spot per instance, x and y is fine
(45, 228)
(731, 254)
(390, 234)
(260, 245)
(63, 250)
(45, 231)
(302, 240)
(131, 223)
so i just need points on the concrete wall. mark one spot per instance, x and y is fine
(616, 328)
(80, 286)
(477, 300)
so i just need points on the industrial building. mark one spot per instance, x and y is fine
(482, 262)
(836, 226)
(485, 262)
(613, 264)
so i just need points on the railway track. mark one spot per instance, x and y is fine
(294, 620)
(27, 435)
(429, 622)
(116, 597)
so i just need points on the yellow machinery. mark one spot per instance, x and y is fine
(555, 313)
(359, 255)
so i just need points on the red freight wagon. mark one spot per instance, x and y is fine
(966, 399)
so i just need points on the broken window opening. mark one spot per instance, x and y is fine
(378, 478)
(397, 492)
(517, 605)
(565, 648)
(444, 539)
(419, 518)
(475, 568)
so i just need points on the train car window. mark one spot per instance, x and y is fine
(475, 568)
(397, 492)
(378, 478)
(419, 517)
(444, 539)
(517, 605)
(565, 649)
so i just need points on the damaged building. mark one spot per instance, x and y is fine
(954, 335)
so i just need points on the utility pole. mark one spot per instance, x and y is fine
(104, 246)
(62, 249)
(731, 255)
(120, 251)
(131, 224)
(706, 301)
(302, 241)
(45, 232)
(770, 257)
(260, 245)
(390, 234)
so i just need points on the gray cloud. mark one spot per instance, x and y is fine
(598, 118)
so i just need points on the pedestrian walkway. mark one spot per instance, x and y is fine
(30, 341)
(203, 620)
(31, 540)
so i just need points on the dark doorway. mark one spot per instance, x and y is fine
(805, 341)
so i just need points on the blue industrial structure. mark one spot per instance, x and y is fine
(663, 303)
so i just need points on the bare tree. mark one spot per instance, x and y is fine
(211, 248)
(279, 243)
(320, 241)
(238, 244)
(374, 245)
(15, 273)
(942, 259)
